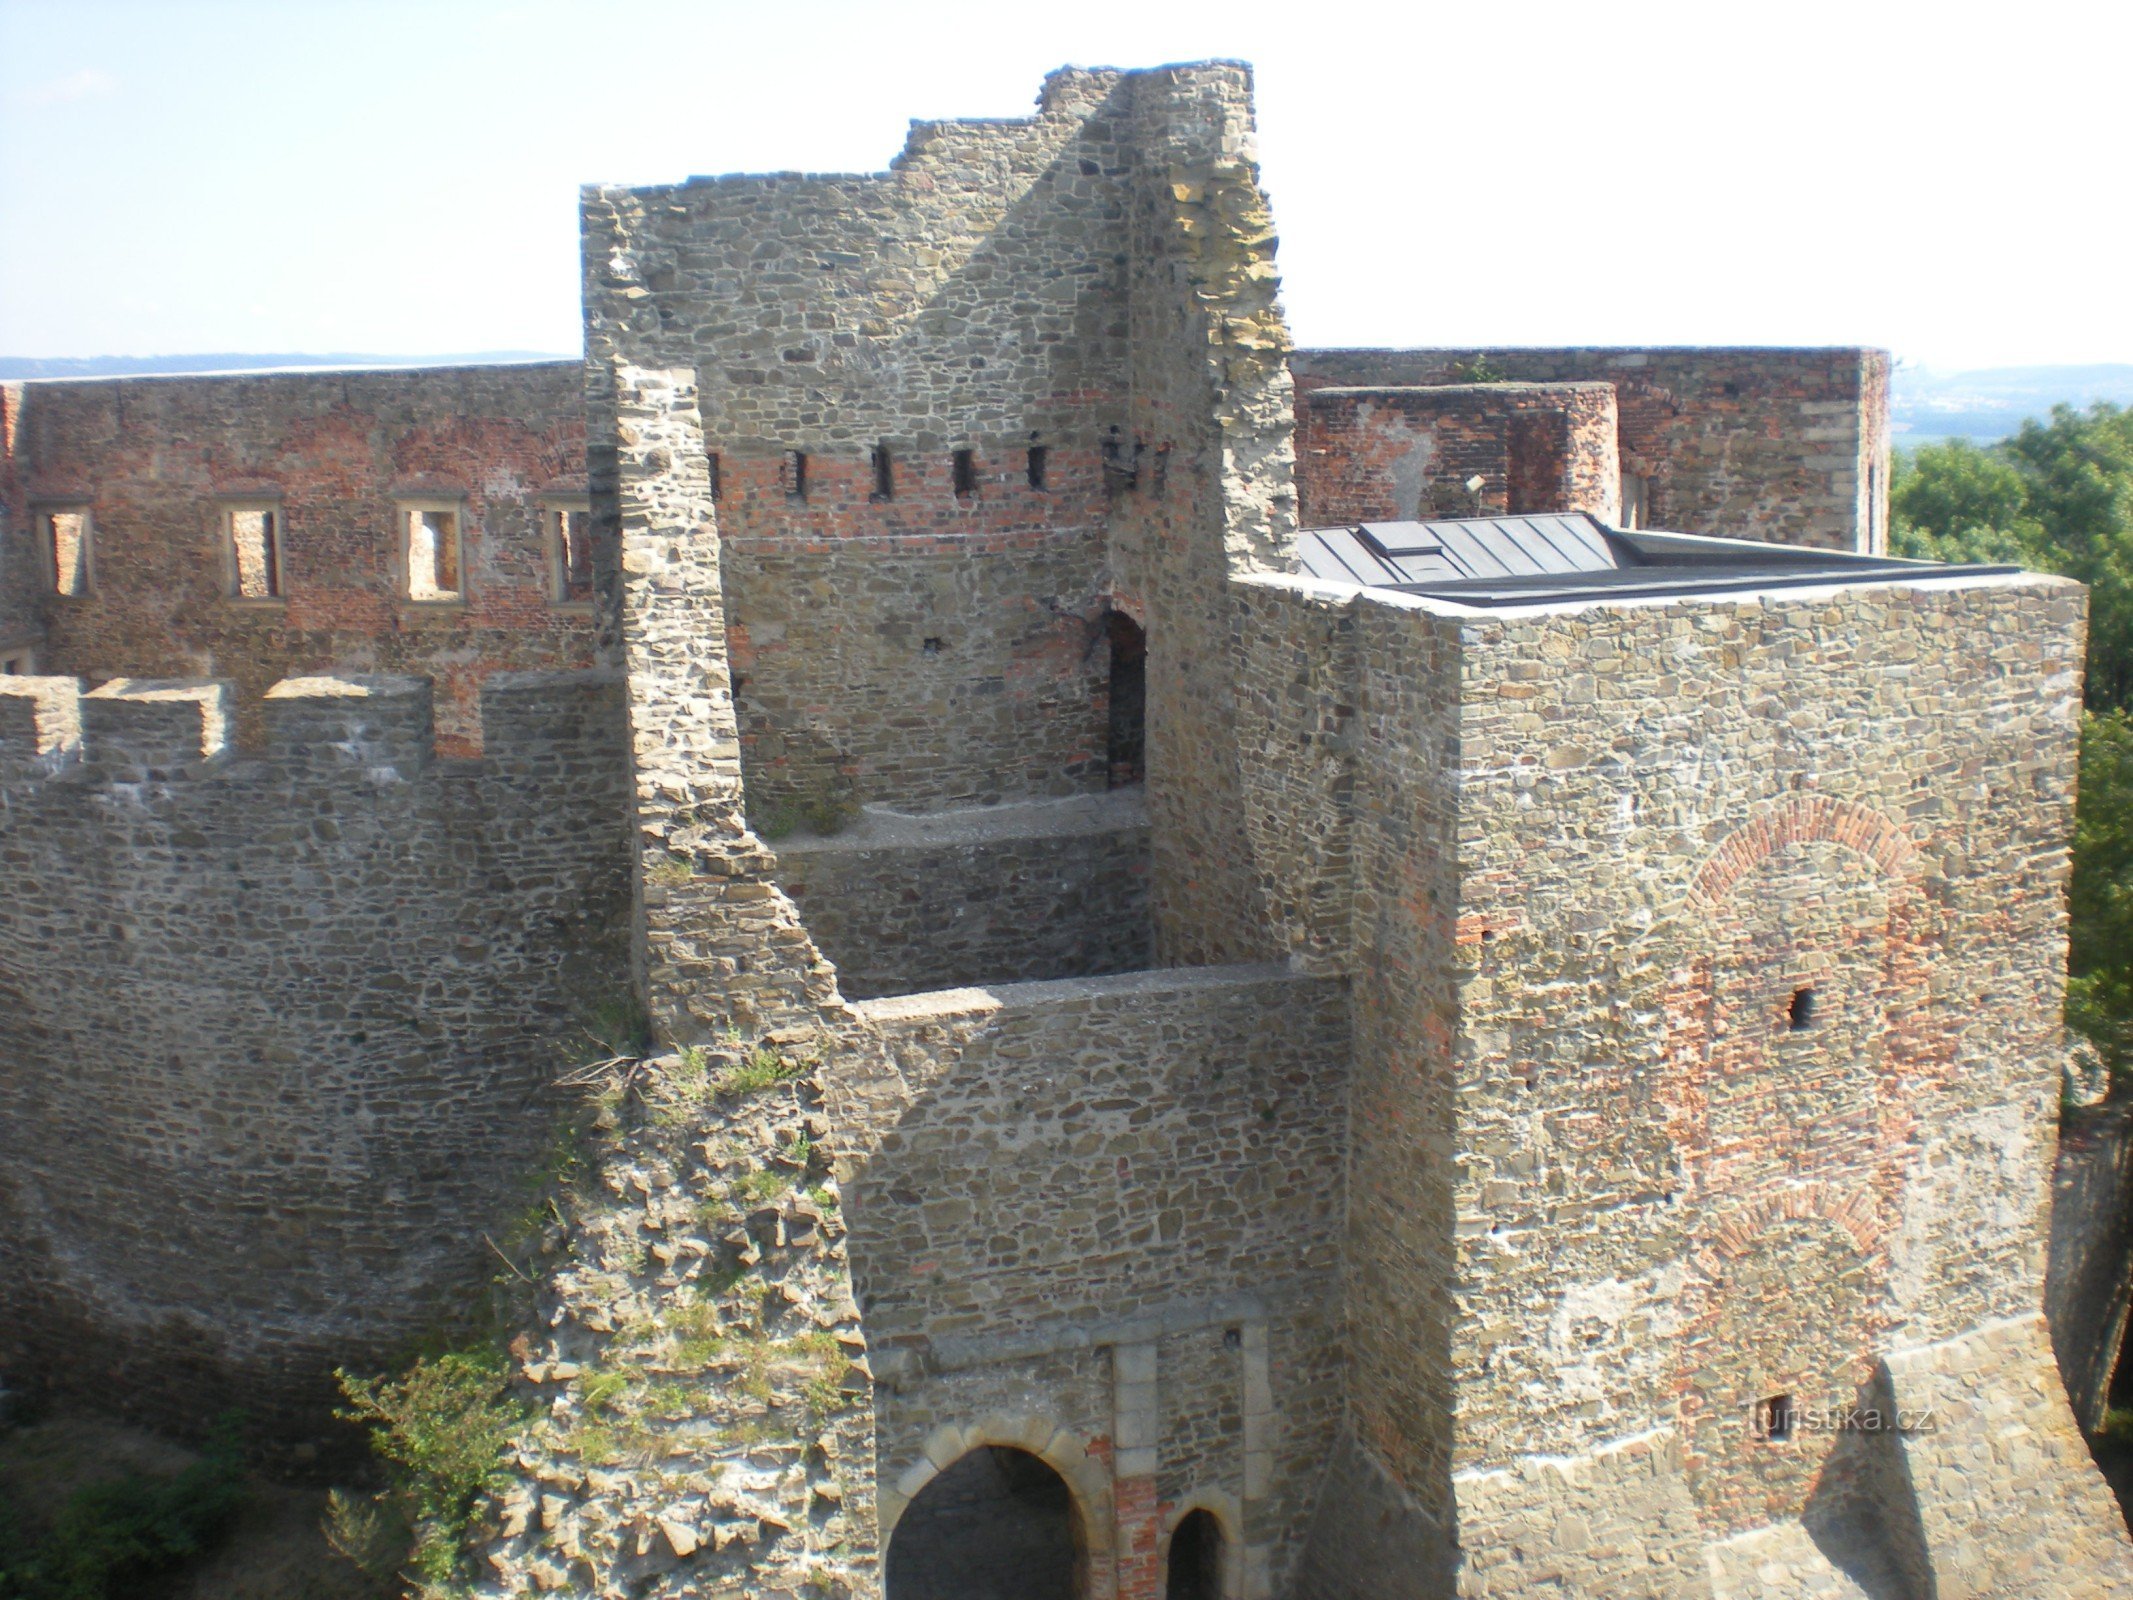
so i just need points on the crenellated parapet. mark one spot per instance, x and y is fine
(373, 727)
(277, 1021)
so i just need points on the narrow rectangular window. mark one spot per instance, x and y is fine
(16, 663)
(796, 474)
(1774, 1418)
(964, 465)
(884, 474)
(1038, 461)
(68, 536)
(1634, 490)
(1161, 477)
(254, 551)
(569, 553)
(432, 552)
(718, 486)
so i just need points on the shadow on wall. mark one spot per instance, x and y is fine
(998, 1524)
(1863, 1512)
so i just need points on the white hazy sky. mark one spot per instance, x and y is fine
(1949, 180)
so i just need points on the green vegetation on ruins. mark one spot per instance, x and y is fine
(722, 1363)
(2058, 497)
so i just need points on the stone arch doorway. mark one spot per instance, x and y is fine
(997, 1524)
(1194, 1568)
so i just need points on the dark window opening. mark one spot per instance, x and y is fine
(796, 474)
(964, 468)
(934, 647)
(1127, 741)
(999, 1524)
(1774, 1417)
(1801, 1014)
(1159, 480)
(1195, 1559)
(1038, 461)
(718, 485)
(884, 474)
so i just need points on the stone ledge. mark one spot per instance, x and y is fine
(879, 828)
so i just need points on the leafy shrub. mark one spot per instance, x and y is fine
(442, 1428)
(117, 1538)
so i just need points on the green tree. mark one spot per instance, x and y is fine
(2058, 497)
(2099, 996)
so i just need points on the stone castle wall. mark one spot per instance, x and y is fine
(1398, 455)
(1146, 1166)
(1785, 445)
(996, 894)
(1214, 495)
(277, 1023)
(896, 641)
(156, 460)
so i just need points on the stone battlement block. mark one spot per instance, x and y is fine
(40, 718)
(160, 726)
(358, 722)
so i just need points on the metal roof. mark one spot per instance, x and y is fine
(1567, 555)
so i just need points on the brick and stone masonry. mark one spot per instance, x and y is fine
(1785, 445)
(158, 464)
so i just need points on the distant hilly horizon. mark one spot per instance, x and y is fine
(13, 367)
(1980, 405)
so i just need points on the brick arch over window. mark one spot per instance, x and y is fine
(1088, 1481)
(1803, 819)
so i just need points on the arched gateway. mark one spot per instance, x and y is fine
(997, 1524)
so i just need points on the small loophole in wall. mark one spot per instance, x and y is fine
(718, 486)
(1159, 476)
(884, 474)
(1038, 461)
(964, 469)
(1800, 1016)
(796, 474)
(934, 647)
(1774, 1418)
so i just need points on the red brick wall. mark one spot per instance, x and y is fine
(1785, 445)
(1382, 455)
(152, 457)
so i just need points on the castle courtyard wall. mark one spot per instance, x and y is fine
(994, 894)
(1115, 1181)
(896, 641)
(157, 460)
(1456, 450)
(277, 1024)
(1785, 445)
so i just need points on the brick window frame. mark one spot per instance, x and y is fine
(555, 509)
(80, 582)
(407, 509)
(227, 510)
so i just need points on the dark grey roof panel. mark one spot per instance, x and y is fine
(1513, 560)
